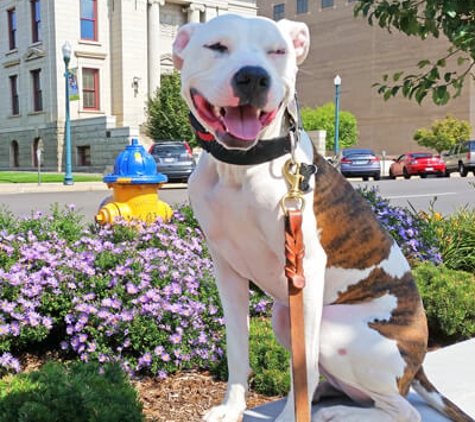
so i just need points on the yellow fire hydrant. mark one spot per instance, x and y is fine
(135, 183)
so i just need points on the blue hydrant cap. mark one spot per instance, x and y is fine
(135, 165)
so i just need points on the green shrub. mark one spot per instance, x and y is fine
(74, 393)
(269, 361)
(449, 300)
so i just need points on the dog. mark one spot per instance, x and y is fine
(365, 327)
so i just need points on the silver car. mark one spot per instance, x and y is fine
(174, 159)
(358, 162)
(461, 158)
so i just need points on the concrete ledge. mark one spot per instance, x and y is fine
(451, 369)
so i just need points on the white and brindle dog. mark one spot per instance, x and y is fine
(365, 328)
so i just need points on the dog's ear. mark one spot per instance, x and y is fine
(181, 41)
(299, 35)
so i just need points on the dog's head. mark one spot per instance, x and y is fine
(238, 74)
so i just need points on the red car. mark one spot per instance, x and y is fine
(418, 163)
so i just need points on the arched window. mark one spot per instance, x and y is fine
(14, 155)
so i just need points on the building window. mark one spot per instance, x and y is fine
(90, 89)
(327, 3)
(12, 28)
(35, 21)
(279, 11)
(302, 6)
(14, 95)
(84, 156)
(14, 155)
(89, 20)
(37, 91)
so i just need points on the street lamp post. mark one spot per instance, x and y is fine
(68, 176)
(337, 82)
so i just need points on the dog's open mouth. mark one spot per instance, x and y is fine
(242, 123)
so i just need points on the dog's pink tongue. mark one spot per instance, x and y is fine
(243, 122)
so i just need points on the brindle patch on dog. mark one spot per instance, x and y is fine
(348, 222)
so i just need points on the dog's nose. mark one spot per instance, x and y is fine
(251, 85)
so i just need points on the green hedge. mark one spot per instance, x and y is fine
(70, 393)
(449, 300)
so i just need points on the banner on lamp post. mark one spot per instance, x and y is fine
(73, 85)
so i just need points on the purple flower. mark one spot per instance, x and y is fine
(145, 360)
(175, 338)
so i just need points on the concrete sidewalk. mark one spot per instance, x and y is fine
(451, 369)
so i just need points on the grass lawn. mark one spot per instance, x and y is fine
(32, 177)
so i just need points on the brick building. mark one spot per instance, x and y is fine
(361, 54)
(119, 50)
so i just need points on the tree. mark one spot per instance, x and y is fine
(454, 19)
(167, 112)
(323, 118)
(443, 134)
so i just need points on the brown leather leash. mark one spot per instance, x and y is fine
(294, 253)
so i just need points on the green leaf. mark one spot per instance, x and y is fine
(387, 95)
(440, 95)
(397, 76)
(441, 63)
(423, 63)
(420, 94)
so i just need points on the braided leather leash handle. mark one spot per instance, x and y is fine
(294, 253)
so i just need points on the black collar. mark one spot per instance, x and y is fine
(264, 151)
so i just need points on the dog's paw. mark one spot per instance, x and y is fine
(224, 413)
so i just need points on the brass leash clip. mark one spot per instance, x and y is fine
(291, 171)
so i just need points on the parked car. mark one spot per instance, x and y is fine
(357, 162)
(417, 163)
(174, 159)
(461, 158)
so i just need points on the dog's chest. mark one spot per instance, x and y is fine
(242, 222)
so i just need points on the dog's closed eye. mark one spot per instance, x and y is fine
(278, 51)
(217, 46)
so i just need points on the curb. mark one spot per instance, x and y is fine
(15, 188)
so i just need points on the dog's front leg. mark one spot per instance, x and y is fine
(234, 294)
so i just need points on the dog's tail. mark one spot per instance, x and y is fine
(437, 400)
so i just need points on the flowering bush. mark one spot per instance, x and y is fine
(139, 294)
(413, 234)
(142, 295)
(455, 236)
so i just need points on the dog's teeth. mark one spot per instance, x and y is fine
(217, 111)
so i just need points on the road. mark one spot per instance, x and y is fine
(451, 194)
(446, 194)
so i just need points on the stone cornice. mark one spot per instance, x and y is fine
(11, 63)
(90, 55)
